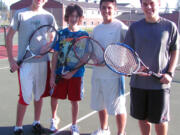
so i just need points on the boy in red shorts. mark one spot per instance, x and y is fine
(71, 84)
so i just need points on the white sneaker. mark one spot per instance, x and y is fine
(54, 124)
(101, 132)
(74, 130)
(122, 134)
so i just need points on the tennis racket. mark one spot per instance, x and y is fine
(76, 52)
(123, 60)
(40, 42)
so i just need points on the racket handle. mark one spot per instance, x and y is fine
(156, 76)
(51, 91)
(18, 63)
(11, 71)
(58, 77)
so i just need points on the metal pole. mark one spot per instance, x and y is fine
(5, 27)
(179, 20)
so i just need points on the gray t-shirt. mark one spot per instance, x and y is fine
(25, 21)
(153, 42)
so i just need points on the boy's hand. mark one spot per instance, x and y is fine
(13, 65)
(166, 79)
(45, 48)
(68, 75)
(143, 71)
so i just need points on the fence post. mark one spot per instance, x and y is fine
(5, 35)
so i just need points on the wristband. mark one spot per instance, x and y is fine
(170, 74)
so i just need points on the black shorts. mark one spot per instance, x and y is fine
(150, 105)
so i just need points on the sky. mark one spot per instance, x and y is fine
(171, 3)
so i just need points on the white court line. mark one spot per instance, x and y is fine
(79, 120)
(3, 59)
(4, 68)
(4, 64)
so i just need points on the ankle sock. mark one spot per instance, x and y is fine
(17, 128)
(36, 122)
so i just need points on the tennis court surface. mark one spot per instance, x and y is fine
(88, 119)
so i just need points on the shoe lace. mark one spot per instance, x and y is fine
(54, 122)
(75, 129)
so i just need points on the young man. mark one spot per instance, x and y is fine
(32, 74)
(156, 40)
(107, 94)
(71, 84)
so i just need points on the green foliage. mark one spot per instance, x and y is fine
(89, 30)
(3, 6)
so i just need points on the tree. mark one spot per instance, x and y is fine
(3, 6)
(178, 5)
(167, 8)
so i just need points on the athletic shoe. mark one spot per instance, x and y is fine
(74, 130)
(18, 132)
(122, 134)
(101, 132)
(37, 128)
(54, 124)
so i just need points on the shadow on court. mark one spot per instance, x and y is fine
(9, 130)
(6, 130)
(66, 132)
(27, 131)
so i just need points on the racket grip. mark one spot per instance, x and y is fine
(11, 71)
(156, 76)
(58, 77)
(18, 63)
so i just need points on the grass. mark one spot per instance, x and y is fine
(89, 30)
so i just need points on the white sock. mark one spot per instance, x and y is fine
(36, 122)
(17, 128)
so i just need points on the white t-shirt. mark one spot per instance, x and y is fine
(106, 34)
(25, 21)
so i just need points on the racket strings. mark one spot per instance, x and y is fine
(98, 53)
(43, 40)
(83, 49)
(121, 59)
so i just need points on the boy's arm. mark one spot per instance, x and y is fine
(174, 55)
(70, 74)
(167, 77)
(53, 68)
(173, 61)
(9, 42)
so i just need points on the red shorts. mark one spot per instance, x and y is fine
(73, 88)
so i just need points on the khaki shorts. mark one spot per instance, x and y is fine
(108, 94)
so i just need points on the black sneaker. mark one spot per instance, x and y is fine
(37, 128)
(18, 132)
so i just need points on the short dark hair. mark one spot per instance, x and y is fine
(113, 1)
(70, 9)
(141, 1)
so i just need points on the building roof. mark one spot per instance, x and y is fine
(26, 3)
(120, 6)
(132, 15)
(82, 4)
